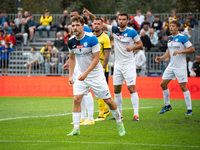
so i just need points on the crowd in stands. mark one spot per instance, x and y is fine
(152, 30)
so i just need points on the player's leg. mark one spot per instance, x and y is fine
(76, 114)
(83, 110)
(90, 108)
(106, 111)
(187, 96)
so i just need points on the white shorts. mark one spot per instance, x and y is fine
(98, 85)
(124, 72)
(180, 74)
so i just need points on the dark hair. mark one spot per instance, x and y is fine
(98, 19)
(34, 48)
(149, 10)
(76, 10)
(8, 44)
(145, 18)
(156, 16)
(123, 14)
(178, 16)
(78, 18)
(11, 21)
(177, 23)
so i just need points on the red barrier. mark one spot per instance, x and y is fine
(147, 87)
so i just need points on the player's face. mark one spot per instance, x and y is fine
(173, 28)
(77, 28)
(97, 25)
(122, 21)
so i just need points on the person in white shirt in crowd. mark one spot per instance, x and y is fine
(18, 19)
(146, 29)
(139, 18)
(113, 22)
(153, 36)
(140, 62)
(34, 60)
(151, 17)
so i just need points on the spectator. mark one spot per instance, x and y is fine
(4, 38)
(23, 30)
(6, 28)
(146, 21)
(173, 16)
(31, 26)
(4, 18)
(34, 60)
(5, 50)
(25, 15)
(65, 37)
(146, 41)
(13, 27)
(113, 21)
(186, 28)
(139, 18)
(157, 24)
(178, 17)
(163, 44)
(47, 48)
(166, 23)
(55, 62)
(89, 21)
(165, 64)
(189, 65)
(146, 29)
(140, 61)
(59, 42)
(132, 23)
(153, 36)
(187, 23)
(104, 19)
(116, 17)
(12, 37)
(46, 23)
(150, 17)
(18, 19)
(193, 21)
(91, 27)
(196, 66)
(64, 22)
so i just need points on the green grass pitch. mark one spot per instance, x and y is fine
(30, 123)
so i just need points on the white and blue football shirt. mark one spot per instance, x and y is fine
(121, 40)
(178, 43)
(83, 49)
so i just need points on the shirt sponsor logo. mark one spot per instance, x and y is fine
(121, 36)
(79, 46)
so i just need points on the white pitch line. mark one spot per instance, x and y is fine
(45, 116)
(106, 143)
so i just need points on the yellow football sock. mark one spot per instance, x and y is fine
(102, 106)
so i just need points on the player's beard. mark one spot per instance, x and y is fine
(122, 25)
(96, 30)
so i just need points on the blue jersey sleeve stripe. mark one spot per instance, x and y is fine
(184, 39)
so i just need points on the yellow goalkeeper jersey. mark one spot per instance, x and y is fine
(104, 43)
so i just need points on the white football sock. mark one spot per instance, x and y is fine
(135, 103)
(117, 116)
(76, 119)
(188, 100)
(90, 105)
(83, 108)
(166, 97)
(118, 100)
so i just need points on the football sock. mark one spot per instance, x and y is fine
(83, 108)
(166, 97)
(117, 116)
(90, 105)
(118, 100)
(101, 107)
(188, 100)
(135, 103)
(76, 119)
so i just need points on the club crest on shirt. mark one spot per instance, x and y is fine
(125, 35)
(176, 40)
(85, 44)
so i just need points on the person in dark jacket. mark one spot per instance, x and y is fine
(13, 27)
(196, 66)
(4, 18)
(4, 63)
(146, 41)
(64, 22)
(23, 30)
(157, 24)
(163, 44)
(59, 43)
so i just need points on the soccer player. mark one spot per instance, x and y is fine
(105, 46)
(85, 47)
(178, 46)
(124, 68)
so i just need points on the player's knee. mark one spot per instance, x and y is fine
(183, 88)
(77, 101)
(163, 85)
(131, 89)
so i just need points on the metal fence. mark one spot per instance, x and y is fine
(56, 17)
(53, 62)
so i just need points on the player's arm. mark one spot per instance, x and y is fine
(85, 11)
(187, 51)
(94, 62)
(137, 46)
(106, 58)
(162, 57)
(71, 67)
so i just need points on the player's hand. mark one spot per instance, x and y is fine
(137, 65)
(71, 82)
(82, 76)
(85, 11)
(65, 66)
(158, 59)
(175, 53)
(128, 48)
